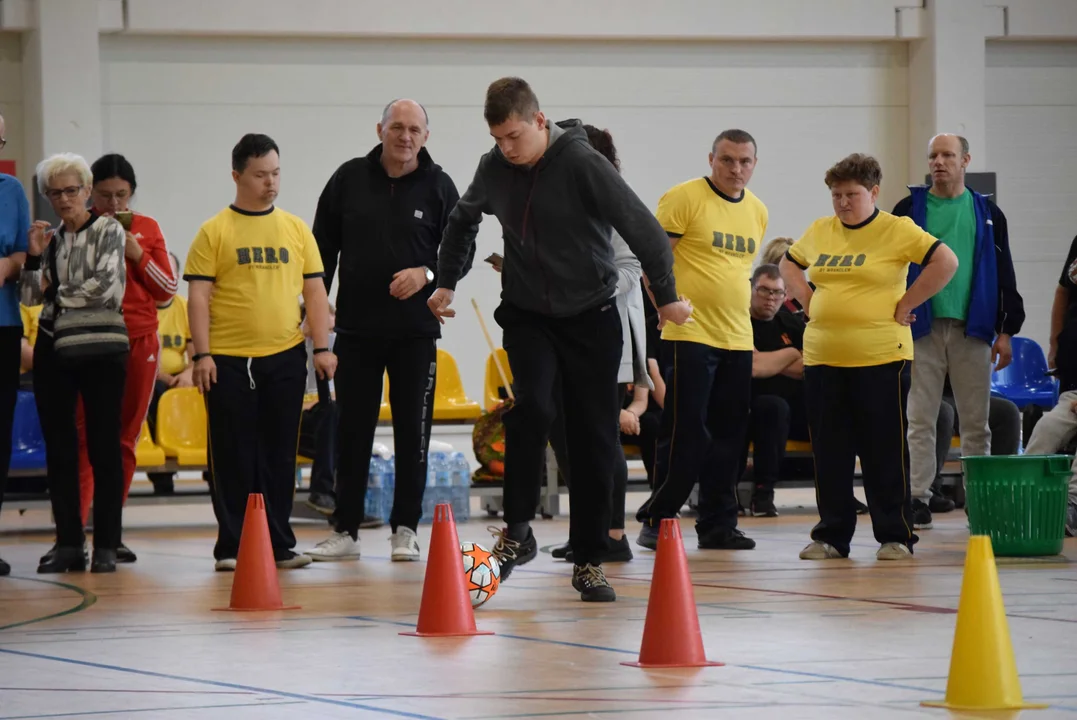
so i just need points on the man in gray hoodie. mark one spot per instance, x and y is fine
(557, 200)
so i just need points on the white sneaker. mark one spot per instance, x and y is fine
(405, 545)
(336, 547)
(820, 551)
(893, 551)
(225, 565)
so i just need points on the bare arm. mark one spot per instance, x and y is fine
(769, 364)
(638, 406)
(796, 283)
(796, 369)
(659, 382)
(198, 294)
(317, 303)
(936, 273)
(1058, 319)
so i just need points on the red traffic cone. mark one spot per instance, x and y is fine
(671, 636)
(446, 606)
(255, 584)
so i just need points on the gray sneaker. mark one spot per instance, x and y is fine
(1071, 520)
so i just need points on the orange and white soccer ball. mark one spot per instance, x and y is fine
(481, 571)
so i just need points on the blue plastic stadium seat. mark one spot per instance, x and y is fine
(1025, 382)
(27, 443)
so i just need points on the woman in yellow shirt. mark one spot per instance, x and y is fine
(857, 354)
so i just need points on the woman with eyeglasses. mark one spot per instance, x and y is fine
(77, 273)
(150, 280)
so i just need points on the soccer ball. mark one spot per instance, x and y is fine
(481, 571)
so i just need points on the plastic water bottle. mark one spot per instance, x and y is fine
(388, 490)
(430, 494)
(375, 486)
(461, 487)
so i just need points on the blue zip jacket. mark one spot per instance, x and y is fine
(995, 306)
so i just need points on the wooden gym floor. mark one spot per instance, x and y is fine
(844, 639)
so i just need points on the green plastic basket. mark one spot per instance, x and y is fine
(1019, 501)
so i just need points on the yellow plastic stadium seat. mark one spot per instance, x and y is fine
(385, 414)
(147, 454)
(450, 400)
(493, 379)
(791, 446)
(181, 426)
(956, 442)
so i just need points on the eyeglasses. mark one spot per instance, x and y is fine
(68, 192)
(768, 293)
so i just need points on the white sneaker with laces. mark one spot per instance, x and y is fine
(405, 545)
(894, 551)
(820, 551)
(338, 546)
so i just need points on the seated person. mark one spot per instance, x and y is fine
(29, 337)
(778, 411)
(772, 254)
(1004, 421)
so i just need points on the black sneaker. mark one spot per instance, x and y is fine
(648, 537)
(321, 503)
(510, 553)
(763, 502)
(124, 554)
(617, 551)
(561, 552)
(5, 569)
(940, 504)
(725, 539)
(921, 515)
(861, 508)
(592, 584)
(1071, 521)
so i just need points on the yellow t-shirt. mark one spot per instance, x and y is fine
(174, 332)
(712, 260)
(859, 276)
(257, 263)
(30, 316)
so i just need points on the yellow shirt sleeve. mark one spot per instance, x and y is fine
(201, 258)
(312, 257)
(675, 211)
(803, 251)
(913, 243)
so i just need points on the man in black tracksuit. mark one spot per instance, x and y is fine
(557, 200)
(383, 215)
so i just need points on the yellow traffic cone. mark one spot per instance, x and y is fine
(983, 674)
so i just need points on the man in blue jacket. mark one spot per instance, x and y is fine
(965, 330)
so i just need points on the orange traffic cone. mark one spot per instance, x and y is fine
(983, 673)
(446, 606)
(671, 636)
(255, 584)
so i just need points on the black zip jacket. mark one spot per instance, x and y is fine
(377, 226)
(556, 220)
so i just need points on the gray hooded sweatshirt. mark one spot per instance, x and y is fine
(556, 220)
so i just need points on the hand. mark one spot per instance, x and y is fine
(39, 237)
(325, 365)
(1052, 356)
(629, 423)
(132, 250)
(184, 379)
(1001, 352)
(678, 313)
(439, 304)
(5, 270)
(407, 282)
(903, 314)
(204, 374)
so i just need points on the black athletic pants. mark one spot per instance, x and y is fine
(253, 411)
(860, 411)
(585, 350)
(774, 421)
(704, 421)
(10, 366)
(57, 387)
(412, 367)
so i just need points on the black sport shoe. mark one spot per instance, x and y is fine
(921, 515)
(725, 539)
(561, 552)
(5, 569)
(648, 537)
(763, 502)
(617, 551)
(321, 503)
(940, 504)
(861, 508)
(592, 584)
(124, 554)
(510, 553)
(1071, 520)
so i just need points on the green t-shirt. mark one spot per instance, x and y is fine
(953, 221)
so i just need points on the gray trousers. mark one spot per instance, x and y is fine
(947, 350)
(1054, 431)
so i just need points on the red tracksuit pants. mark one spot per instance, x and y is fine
(142, 365)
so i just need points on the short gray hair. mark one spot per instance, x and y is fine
(389, 109)
(62, 163)
(960, 139)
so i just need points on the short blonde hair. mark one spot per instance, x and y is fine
(775, 250)
(60, 164)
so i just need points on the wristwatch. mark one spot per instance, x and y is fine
(429, 274)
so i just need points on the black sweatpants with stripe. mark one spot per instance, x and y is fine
(412, 367)
(860, 411)
(254, 410)
(704, 421)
